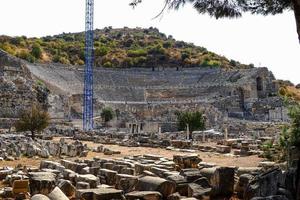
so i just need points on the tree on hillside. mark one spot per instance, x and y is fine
(36, 51)
(292, 134)
(235, 8)
(34, 120)
(107, 114)
(195, 121)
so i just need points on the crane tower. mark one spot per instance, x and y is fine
(88, 70)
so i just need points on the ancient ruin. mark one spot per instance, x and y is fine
(242, 109)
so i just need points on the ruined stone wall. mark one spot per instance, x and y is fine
(16, 86)
(140, 94)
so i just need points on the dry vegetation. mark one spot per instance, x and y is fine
(117, 48)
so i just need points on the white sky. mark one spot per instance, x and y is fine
(265, 41)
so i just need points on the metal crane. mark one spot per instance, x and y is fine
(88, 70)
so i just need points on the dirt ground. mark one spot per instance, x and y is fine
(222, 160)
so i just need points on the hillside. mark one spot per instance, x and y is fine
(117, 48)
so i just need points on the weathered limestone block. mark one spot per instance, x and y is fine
(118, 167)
(107, 176)
(74, 166)
(54, 171)
(181, 184)
(267, 165)
(82, 185)
(223, 149)
(127, 170)
(126, 182)
(275, 197)
(158, 171)
(67, 188)
(249, 170)
(108, 165)
(144, 195)
(68, 174)
(90, 170)
(39, 197)
(187, 161)
(199, 192)
(222, 181)
(44, 153)
(100, 194)
(242, 184)
(46, 164)
(71, 150)
(54, 149)
(5, 172)
(41, 182)
(263, 185)
(149, 183)
(84, 154)
(89, 178)
(6, 193)
(208, 172)
(175, 196)
(57, 194)
(181, 144)
(11, 178)
(191, 174)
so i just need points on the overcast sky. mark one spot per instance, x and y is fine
(265, 41)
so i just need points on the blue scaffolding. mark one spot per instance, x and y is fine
(89, 62)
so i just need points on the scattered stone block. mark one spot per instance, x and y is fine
(107, 176)
(223, 149)
(82, 185)
(126, 182)
(222, 182)
(263, 185)
(144, 195)
(100, 194)
(41, 182)
(149, 183)
(92, 180)
(57, 194)
(187, 161)
(67, 188)
(39, 197)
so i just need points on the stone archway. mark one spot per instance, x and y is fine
(259, 84)
(241, 94)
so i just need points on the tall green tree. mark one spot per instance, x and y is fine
(235, 8)
(107, 114)
(194, 120)
(34, 120)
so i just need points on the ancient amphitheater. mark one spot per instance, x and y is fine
(140, 95)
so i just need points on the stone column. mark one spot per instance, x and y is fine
(226, 133)
(187, 132)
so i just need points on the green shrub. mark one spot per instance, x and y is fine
(64, 60)
(23, 54)
(140, 60)
(167, 44)
(36, 51)
(107, 64)
(137, 53)
(8, 48)
(156, 49)
(101, 51)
